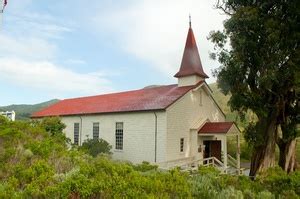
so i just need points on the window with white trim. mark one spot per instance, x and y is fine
(96, 130)
(181, 144)
(119, 135)
(76, 133)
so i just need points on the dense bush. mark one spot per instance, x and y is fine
(37, 164)
(277, 181)
(144, 167)
(274, 183)
(53, 125)
(96, 146)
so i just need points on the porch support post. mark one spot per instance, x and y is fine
(225, 151)
(238, 152)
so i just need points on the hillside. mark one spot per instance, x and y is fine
(23, 111)
(220, 97)
(222, 100)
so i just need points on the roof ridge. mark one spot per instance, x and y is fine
(158, 98)
(113, 93)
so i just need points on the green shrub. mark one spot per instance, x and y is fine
(37, 164)
(3, 121)
(204, 186)
(265, 195)
(230, 192)
(53, 125)
(295, 181)
(145, 166)
(279, 182)
(275, 180)
(96, 146)
(204, 170)
(289, 194)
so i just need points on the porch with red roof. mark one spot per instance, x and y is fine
(213, 142)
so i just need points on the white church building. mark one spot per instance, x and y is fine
(170, 125)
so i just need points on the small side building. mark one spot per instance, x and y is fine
(11, 115)
(168, 125)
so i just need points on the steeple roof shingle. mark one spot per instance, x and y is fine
(191, 63)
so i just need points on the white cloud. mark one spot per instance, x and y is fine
(152, 30)
(30, 50)
(155, 30)
(26, 47)
(47, 76)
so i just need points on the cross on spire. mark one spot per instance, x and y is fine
(190, 21)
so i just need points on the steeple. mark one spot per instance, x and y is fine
(191, 64)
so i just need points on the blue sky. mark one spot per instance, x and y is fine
(61, 49)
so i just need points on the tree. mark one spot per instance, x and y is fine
(53, 125)
(286, 139)
(260, 67)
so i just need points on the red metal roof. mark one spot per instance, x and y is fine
(157, 98)
(215, 127)
(191, 63)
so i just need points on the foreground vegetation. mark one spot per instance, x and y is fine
(39, 163)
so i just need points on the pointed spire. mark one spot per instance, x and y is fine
(191, 63)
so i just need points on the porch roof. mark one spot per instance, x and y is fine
(216, 127)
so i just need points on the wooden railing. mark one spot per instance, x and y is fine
(211, 161)
(175, 163)
(187, 164)
(233, 163)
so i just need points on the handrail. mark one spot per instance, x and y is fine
(231, 158)
(213, 161)
(185, 164)
(218, 161)
(188, 164)
(233, 163)
(176, 162)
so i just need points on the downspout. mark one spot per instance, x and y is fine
(80, 132)
(155, 139)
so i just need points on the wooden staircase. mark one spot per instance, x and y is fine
(231, 168)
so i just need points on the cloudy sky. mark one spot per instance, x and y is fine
(61, 49)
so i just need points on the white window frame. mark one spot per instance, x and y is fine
(76, 133)
(96, 126)
(119, 136)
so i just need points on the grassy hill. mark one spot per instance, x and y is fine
(23, 111)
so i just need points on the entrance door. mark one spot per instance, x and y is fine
(216, 149)
(212, 149)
